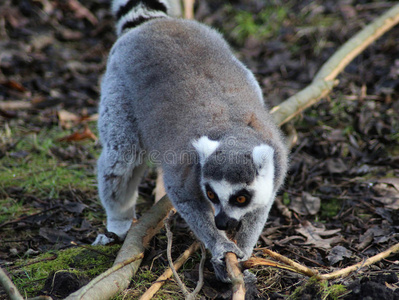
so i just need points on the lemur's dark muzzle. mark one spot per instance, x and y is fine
(224, 222)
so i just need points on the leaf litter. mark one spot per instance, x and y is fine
(342, 187)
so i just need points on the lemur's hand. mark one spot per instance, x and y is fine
(218, 259)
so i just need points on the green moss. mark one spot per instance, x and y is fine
(29, 275)
(37, 170)
(32, 167)
(330, 207)
(266, 24)
(318, 289)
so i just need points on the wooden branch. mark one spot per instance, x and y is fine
(92, 284)
(168, 272)
(324, 81)
(352, 48)
(298, 267)
(138, 237)
(188, 9)
(371, 260)
(236, 276)
(9, 286)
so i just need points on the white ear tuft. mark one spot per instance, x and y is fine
(205, 147)
(262, 154)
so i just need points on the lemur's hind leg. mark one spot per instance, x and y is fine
(118, 180)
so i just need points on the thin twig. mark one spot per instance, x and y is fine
(168, 272)
(258, 261)
(200, 282)
(298, 267)
(9, 286)
(169, 235)
(187, 294)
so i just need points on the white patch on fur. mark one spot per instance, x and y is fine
(205, 147)
(264, 184)
(262, 154)
(138, 11)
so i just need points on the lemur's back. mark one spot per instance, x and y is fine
(181, 76)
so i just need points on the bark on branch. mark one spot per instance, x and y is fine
(324, 80)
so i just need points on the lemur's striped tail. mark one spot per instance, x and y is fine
(131, 13)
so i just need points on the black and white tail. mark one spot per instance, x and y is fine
(131, 13)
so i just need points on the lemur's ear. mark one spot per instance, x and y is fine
(205, 147)
(262, 154)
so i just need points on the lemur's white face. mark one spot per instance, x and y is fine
(232, 201)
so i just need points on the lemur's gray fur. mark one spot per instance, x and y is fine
(174, 93)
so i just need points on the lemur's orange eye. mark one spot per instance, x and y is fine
(210, 195)
(241, 199)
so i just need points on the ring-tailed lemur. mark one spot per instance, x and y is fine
(174, 93)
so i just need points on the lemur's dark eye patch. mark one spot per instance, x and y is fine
(241, 199)
(212, 196)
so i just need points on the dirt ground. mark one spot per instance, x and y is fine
(342, 189)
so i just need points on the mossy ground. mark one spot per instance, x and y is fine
(29, 274)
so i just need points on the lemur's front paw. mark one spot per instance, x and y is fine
(218, 259)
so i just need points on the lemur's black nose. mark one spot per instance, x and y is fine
(224, 222)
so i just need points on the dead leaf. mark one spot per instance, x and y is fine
(336, 166)
(305, 205)
(314, 235)
(387, 190)
(12, 84)
(374, 234)
(337, 254)
(79, 136)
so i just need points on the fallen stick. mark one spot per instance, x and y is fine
(9, 286)
(236, 276)
(298, 268)
(369, 261)
(137, 239)
(324, 80)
